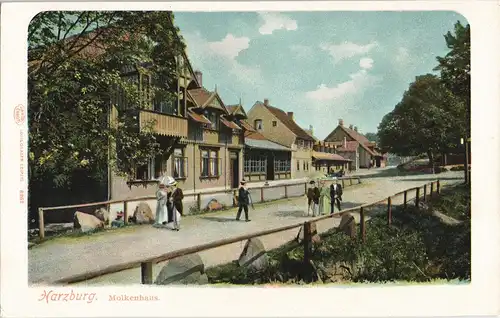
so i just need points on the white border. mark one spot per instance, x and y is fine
(480, 297)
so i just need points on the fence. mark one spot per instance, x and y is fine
(197, 200)
(146, 265)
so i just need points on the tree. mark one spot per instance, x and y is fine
(425, 121)
(454, 67)
(76, 65)
(372, 137)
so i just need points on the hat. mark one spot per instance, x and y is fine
(311, 182)
(243, 181)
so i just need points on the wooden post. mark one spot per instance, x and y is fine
(305, 188)
(432, 189)
(125, 212)
(425, 192)
(417, 198)
(262, 194)
(286, 191)
(362, 228)
(307, 242)
(438, 187)
(147, 273)
(198, 201)
(359, 180)
(389, 211)
(405, 195)
(41, 224)
(343, 184)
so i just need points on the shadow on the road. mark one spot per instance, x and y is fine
(220, 219)
(394, 172)
(433, 178)
(291, 213)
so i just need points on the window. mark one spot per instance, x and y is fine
(304, 165)
(275, 123)
(282, 166)
(147, 171)
(307, 166)
(298, 165)
(179, 164)
(214, 119)
(255, 165)
(301, 143)
(258, 124)
(209, 163)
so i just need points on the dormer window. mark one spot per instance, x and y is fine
(258, 124)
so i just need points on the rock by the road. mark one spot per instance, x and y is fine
(184, 270)
(214, 205)
(86, 222)
(102, 214)
(254, 255)
(143, 214)
(348, 225)
(314, 233)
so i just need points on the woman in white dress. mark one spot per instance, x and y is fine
(161, 206)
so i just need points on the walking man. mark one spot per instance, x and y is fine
(336, 196)
(243, 201)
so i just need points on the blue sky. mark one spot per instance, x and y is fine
(321, 65)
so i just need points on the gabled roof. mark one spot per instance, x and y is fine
(287, 121)
(204, 98)
(246, 126)
(328, 156)
(362, 140)
(229, 124)
(236, 110)
(351, 146)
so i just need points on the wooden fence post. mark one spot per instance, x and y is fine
(307, 242)
(432, 189)
(305, 188)
(425, 192)
(147, 273)
(389, 211)
(41, 224)
(359, 180)
(362, 226)
(261, 194)
(198, 201)
(125, 212)
(343, 184)
(438, 187)
(405, 196)
(417, 198)
(286, 191)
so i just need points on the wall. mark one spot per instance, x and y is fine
(280, 134)
(352, 156)
(302, 155)
(364, 157)
(338, 135)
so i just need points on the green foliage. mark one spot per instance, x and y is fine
(372, 137)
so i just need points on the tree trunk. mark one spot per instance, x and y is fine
(430, 155)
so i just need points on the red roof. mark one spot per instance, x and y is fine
(362, 140)
(200, 95)
(229, 124)
(351, 146)
(288, 122)
(246, 125)
(199, 118)
(231, 108)
(254, 135)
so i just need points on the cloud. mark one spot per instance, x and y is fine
(276, 21)
(347, 50)
(301, 50)
(366, 63)
(222, 55)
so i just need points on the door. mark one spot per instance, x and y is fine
(234, 169)
(270, 167)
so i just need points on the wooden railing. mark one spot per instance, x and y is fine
(164, 124)
(262, 197)
(147, 264)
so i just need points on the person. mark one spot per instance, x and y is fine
(177, 197)
(324, 198)
(173, 201)
(312, 198)
(335, 195)
(316, 196)
(161, 206)
(243, 201)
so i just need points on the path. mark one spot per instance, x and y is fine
(61, 258)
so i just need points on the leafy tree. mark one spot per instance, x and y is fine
(372, 137)
(425, 121)
(454, 67)
(76, 65)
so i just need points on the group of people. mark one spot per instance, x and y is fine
(169, 208)
(321, 198)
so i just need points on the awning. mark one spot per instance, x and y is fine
(229, 124)
(264, 144)
(199, 118)
(328, 156)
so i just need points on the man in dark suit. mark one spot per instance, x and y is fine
(335, 195)
(243, 201)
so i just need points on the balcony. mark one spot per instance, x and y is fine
(165, 125)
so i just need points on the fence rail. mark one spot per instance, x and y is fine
(147, 264)
(197, 199)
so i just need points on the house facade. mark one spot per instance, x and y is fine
(278, 126)
(349, 139)
(325, 160)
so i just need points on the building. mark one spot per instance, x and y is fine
(280, 127)
(325, 159)
(356, 147)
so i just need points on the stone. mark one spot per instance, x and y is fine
(54, 228)
(184, 270)
(143, 214)
(102, 214)
(86, 222)
(348, 225)
(117, 223)
(214, 205)
(254, 255)
(314, 232)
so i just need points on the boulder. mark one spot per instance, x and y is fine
(143, 214)
(254, 255)
(117, 223)
(102, 214)
(86, 222)
(348, 225)
(214, 205)
(314, 232)
(184, 270)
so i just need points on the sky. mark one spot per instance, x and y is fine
(322, 66)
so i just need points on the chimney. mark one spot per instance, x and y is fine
(345, 142)
(266, 102)
(199, 77)
(350, 127)
(341, 122)
(311, 129)
(355, 128)
(290, 114)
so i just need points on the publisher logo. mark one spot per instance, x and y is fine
(19, 114)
